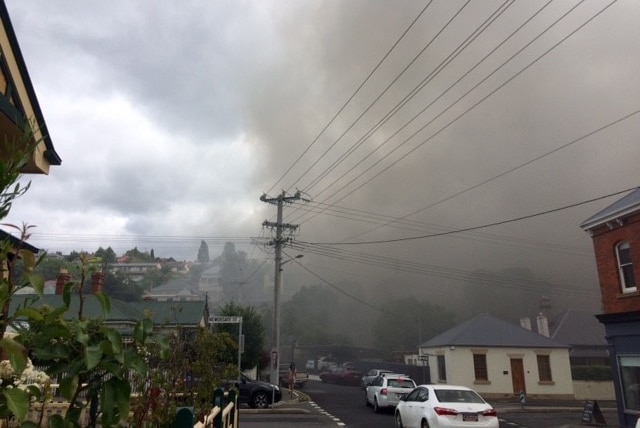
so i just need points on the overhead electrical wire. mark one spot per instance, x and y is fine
(362, 84)
(509, 171)
(531, 285)
(435, 72)
(497, 223)
(468, 109)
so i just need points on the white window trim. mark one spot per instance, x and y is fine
(623, 287)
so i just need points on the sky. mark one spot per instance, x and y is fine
(396, 121)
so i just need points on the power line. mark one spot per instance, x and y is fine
(352, 96)
(472, 106)
(451, 232)
(435, 72)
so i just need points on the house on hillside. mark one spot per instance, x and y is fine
(499, 359)
(19, 107)
(133, 271)
(615, 232)
(180, 288)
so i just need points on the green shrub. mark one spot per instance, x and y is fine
(591, 373)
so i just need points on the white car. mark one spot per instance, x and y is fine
(387, 390)
(372, 374)
(438, 406)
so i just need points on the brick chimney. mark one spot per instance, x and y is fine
(62, 279)
(97, 282)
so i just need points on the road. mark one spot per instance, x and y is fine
(343, 406)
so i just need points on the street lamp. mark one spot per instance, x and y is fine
(275, 351)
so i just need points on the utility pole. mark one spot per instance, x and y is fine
(279, 201)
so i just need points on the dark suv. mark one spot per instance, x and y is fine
(255, 393)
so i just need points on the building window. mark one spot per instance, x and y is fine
(442, 369)
(629, 367)
(544, 368)
(625, 267)
(480, 366)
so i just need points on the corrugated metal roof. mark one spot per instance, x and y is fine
(163, 313)
(622, 207)
(488, 331)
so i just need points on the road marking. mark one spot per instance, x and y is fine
(329, 415)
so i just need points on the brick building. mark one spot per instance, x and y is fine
(616, 241)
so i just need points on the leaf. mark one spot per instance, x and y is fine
(17, 401)
(104, 300)
(36, 281)
(116, 340)
(31, 313)
(17, 354)
(28, 258)
(56, 421)
(68, 386)
(93, 355)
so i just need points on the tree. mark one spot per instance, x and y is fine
(252, 329)
(407, 322)
(203, 252)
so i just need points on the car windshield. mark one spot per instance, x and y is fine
(401, 383)
(457, 396)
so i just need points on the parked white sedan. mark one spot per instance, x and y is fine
(385, 391)
(438, 406)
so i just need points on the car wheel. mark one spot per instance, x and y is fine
(260, 400)
(398, 420)
(424, 424)
(376, 408)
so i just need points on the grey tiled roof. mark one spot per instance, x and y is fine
(624, 206)
(485, 330)
(578, 328)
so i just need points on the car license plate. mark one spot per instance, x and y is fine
(400, 396)
(470, 417)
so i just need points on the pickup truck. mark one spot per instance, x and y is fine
(301, 377)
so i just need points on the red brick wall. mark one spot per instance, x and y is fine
(604, 242)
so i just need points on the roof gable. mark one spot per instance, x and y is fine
(578, 328)
(485, 330)
(622, 207)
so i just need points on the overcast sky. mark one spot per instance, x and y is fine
(173, 118)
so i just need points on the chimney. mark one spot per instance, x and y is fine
(525, 322)
(543, 325)
(63, 278)
(97, 282)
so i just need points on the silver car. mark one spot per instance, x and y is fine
(387, 390)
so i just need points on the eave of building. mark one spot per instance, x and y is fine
(19, 107)
(620, 209)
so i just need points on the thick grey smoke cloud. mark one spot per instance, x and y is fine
(172, 119)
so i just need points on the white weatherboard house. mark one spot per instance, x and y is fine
(499, 359)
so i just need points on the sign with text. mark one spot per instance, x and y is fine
(225, 320)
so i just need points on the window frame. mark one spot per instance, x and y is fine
(629, 373)
(480, 368)
(624, 264)
(545, 374)
(442, 368)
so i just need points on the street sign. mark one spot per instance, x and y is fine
(225, 320)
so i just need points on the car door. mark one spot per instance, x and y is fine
(410, 414)
(372, 388)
